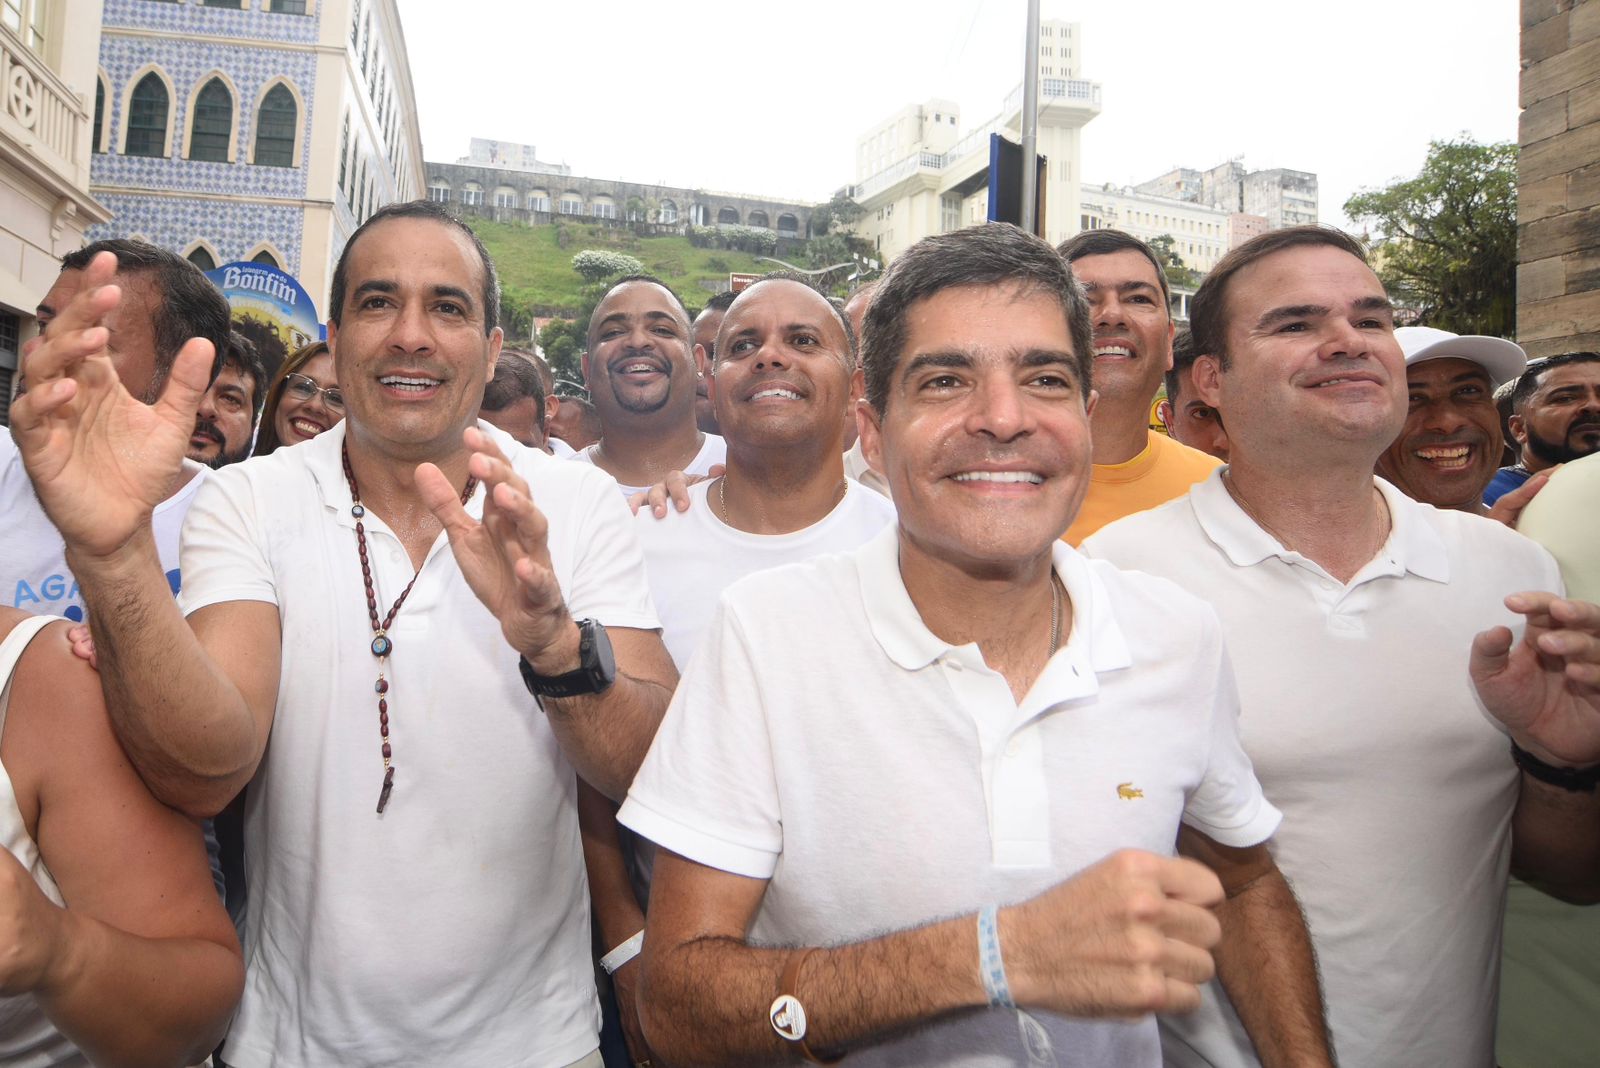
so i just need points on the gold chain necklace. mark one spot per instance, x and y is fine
(722, 498)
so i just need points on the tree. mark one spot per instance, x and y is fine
(1447, 239)
(1178, 273)
(840, 211)
(596, 266)
(562, 343)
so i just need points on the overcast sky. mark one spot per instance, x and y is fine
(769, 98)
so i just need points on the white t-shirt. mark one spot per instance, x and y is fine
(560, 449)
(692, 556)
(1396, 788)
(856, 466)
(454, 928)
(712, 452)
(824, 739)
(33, 558)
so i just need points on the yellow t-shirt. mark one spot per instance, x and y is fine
(1163, 471)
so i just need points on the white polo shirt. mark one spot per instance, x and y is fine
(824, 739)
(692, 556)
(713, 451)
(1396, 787)
(454, 928)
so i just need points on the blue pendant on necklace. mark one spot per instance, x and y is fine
(382, 646)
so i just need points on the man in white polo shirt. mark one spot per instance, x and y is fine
(412, 847)
(638, 363)
(1370, 634)
(962, 719)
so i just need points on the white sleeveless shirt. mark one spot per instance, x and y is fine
(27, 1038)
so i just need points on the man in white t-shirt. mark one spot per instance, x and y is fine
(963, 719)
(781, 386)
(335, 655)
(165, 301)
(638, 363)
(1370, 634)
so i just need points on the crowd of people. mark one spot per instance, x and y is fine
(852, 677)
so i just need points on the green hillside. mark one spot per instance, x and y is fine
(535, 264)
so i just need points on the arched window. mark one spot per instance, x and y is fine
(97, 136)
(472, 194)
(668, 212)
(539, 200)
(505, 197)
(202, 259)
(571, 203)
(728, 217)
(211, 128)
(439, 190)
(789, 225)
(275, 125)
(603, 207)
(264, 258)
(759, 218)
(147, 117)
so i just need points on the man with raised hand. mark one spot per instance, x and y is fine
(1370, 634)
(639, 365)
(416, 883)
(1134, 467)
(165, 301)
(970, 785)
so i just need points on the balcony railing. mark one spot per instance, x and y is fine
(39, 110)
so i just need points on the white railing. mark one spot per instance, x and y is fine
(39, 110)
(1073, 89)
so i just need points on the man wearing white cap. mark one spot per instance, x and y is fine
(1450, 446)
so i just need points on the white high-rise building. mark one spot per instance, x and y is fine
(919, 173)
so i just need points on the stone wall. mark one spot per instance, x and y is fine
(1558, 178)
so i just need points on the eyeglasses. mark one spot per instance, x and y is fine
(303, 389)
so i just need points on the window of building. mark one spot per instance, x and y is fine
(571, 204)
(472, 194)
(668, 212)
(96, 136)
(758, 218)
(211, 128)
(355, 22)
(603, 209)
(202, 259)
(439, 190)
(538, 200)
(949, 213)
(265, 259)
(275, 124)
(235, 4)
(505, 197)
(727, 217)
(10, 344)
(344, 160)
(147, 117)
(289, 7)
(788, 225)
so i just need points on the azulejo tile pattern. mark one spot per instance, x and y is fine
(234, 228)
(185, 63)
(192, 17)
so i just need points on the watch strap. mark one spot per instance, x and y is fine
(1575, 780)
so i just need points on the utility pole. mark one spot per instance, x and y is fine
(1030, 123)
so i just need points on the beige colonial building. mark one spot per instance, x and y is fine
(1200, 233)
(47, 84)
(918, 172)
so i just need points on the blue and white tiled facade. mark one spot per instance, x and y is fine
(236, 209)
(235, 229)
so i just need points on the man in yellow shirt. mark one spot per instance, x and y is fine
(1135, 468)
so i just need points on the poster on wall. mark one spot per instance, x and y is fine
(270, 308)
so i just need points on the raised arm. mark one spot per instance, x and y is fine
(142, 966)
(193, 717)
(506, 560)
(1123, 938)
(1545, 689)
(1265, 959)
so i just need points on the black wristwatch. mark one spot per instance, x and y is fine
(596, 670)
(1576, 780)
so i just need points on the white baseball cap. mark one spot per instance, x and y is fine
(1504, 360)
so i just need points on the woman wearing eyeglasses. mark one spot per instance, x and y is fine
(302, 401)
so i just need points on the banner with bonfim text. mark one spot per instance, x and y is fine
(270, 308)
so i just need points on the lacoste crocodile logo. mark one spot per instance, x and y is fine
(1128, 792)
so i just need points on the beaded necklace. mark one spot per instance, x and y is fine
(382, 644)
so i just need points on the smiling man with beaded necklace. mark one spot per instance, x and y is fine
(328, 615)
